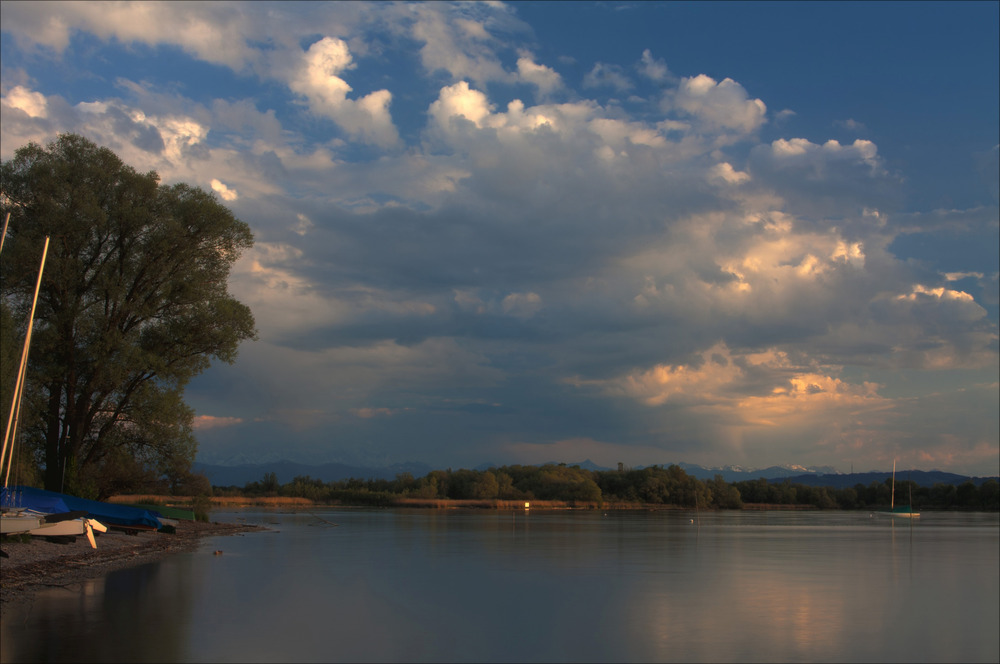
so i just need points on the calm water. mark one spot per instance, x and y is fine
(424, 585)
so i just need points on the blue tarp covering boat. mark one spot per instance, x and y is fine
(14, 497)
(48, 501)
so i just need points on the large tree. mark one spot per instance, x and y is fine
(134, 303)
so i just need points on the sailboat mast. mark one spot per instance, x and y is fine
(3, 236)
(8, 438)
(892, 500)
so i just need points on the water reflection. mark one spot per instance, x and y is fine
(431, 585)
(140, 614)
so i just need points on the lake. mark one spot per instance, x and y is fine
(413, 585)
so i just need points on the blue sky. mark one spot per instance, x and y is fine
(720, 233)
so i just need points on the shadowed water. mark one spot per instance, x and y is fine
(464, 586)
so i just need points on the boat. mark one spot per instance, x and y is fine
(905, 511)
(13, 522)
(120, 517)
(71, 528)
(46, 516)
(166, 514)
(48, 513)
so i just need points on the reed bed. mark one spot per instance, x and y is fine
(431, 503)
(220, 501)
(494, 504)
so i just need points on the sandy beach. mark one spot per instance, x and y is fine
(31, 566)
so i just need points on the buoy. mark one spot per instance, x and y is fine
(219, 552)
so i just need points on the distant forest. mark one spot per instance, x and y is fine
(651, 486)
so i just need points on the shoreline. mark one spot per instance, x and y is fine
(39, 564)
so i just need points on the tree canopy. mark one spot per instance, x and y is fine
(134, 303)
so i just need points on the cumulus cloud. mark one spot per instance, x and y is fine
(783, 115)
(28, 101)
(462, 102)
(653, 68)
(724, 105)
(457, 39)
(326, 92)
(546, 79)
(214, 32)
(757, 389)
(829, 178)
(799, 153)
(522, 305)
(577, 278)
(607, 76)
(724, 171)
(224, 192)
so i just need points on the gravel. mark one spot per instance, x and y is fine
(31, 566)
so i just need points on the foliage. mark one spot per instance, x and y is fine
(655, 485)
(200, 505)
(133, 304)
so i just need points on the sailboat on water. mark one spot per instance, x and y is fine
(905, 511)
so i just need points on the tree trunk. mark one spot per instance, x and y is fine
(53, 435)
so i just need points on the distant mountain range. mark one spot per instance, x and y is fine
(243, 473)
(925, 478)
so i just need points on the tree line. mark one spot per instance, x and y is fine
(652, 486)
(134, 303)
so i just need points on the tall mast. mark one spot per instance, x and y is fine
(3, 236)
(892, 502)
(15, 406)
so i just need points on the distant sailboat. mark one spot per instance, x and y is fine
(905, 511)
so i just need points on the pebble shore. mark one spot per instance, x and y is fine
(31, 566)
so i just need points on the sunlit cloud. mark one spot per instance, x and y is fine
(370, 413)
(319, 81)
(721, 105)
(545, 78)
(224, 192)
(28, 101)
(628, 258)
(205, 422)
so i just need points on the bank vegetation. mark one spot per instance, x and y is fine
(558, 486)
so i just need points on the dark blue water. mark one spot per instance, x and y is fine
(466, 586)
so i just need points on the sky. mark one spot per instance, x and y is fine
(646, 233)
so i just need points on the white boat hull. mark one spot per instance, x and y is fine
(12, 524)
(71, 528)
(61, 529)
